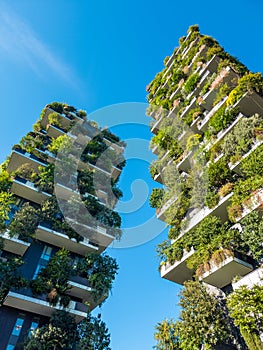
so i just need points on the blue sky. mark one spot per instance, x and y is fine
(92, 54)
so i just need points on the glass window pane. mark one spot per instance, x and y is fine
(10, 347)
(18, 326)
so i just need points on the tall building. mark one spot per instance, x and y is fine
(207, 110)
(58, 189)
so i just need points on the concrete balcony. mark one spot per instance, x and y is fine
(221, 275)
(178, 272)
(250, 104)
(237, 166)
(203, 124)
(185, 163)
(250, 280)
(160, 212)
(39, 305)
(211, 66)
(59, 239)
(20, 157)
(220, 210)
(115, 172)
(255, 203)
(79, 288)
(157, 125)
(97, 234)
(54, 131)
(188, 108)
(14, 244)
(51, 158)
(228, 76)
(26, 189)
(65, 120)
(224, 132)
(115, 146)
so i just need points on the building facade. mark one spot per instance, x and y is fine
(58, 192)
(207, 110)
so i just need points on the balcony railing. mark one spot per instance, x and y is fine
(222, 274)
(253, 278)
(160, 212)
(24, 300)
(202, 126)
(14, 244)
(65, 120)
(197, 215)
(55, 131)
(20, 157)
(94, 233)
(255, 203)
(236, 167)
(26, 189)
(178, 272)
(250, 104)
(59, 239)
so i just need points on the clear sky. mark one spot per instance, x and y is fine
(92, 54)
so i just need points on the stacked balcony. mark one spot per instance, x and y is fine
(222, 274)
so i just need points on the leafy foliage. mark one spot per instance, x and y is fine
(156, 198)
(53, 279)
(25, 222)
(59, 333)
(201, 319)
(166, 336)
(246, 308)
(93, 334)
(100, 271)
(10, 276)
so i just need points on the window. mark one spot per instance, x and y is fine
(43, 261)
(18, 326)
(33, 326)
(15, 332)
(46, 253)
(10, 347)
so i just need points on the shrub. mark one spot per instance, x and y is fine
(191, 83)
(248, 83)
(211, 199)
(156, 197)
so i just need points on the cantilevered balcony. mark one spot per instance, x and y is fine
(115, 172)
(37, 304)
(26, 189)
(65, 120)
(96, 234)
(203, 124)
(59, 239)
(54, 131)
(157, 125)
(51, 158)
(224, 132)
(220, 210)
(236, 167)
(14, 244)
(178, 272)
(185, 163)
(160, 212)
(79, 288)
(211, 66)
(20, 157)
(255, 203)
(116, 146)
(250, 104)
(227, 76)
(253, 278)
(222, 274)
(188, 108)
